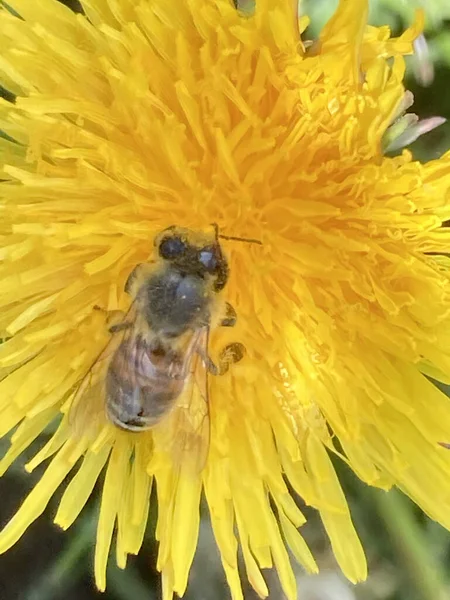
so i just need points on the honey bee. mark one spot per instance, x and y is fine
(157, 362)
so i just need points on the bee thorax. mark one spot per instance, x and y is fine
(174, 302)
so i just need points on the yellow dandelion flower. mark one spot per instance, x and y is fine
(139, 115)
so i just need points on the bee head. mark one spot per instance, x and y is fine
(202, 258)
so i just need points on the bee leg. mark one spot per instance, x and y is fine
(132, 278)
(120, 326)
(114, 319)
(232, 353)
(230, 317)
(136, 277)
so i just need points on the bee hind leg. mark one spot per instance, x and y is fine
(232, 353)
(120, 326)
(114, 319)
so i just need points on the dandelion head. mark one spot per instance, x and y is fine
(138, 115)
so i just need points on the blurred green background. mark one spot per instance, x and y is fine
(408, 555)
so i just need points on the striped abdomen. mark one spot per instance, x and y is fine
(143, 383)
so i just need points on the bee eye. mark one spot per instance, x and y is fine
(208, 258)
(171, 247)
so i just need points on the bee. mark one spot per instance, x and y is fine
(157, 362)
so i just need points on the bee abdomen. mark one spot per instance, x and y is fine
(138, 400)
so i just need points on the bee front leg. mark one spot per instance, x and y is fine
(137, 274)
(230, 317)
(129, 284)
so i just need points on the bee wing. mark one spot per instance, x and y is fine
(87, 414)
(185, 433)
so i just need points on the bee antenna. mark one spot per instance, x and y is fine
(234, 238)
(239, 239)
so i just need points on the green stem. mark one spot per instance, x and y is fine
(69, 566)
(397, 512)
(128, 585)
